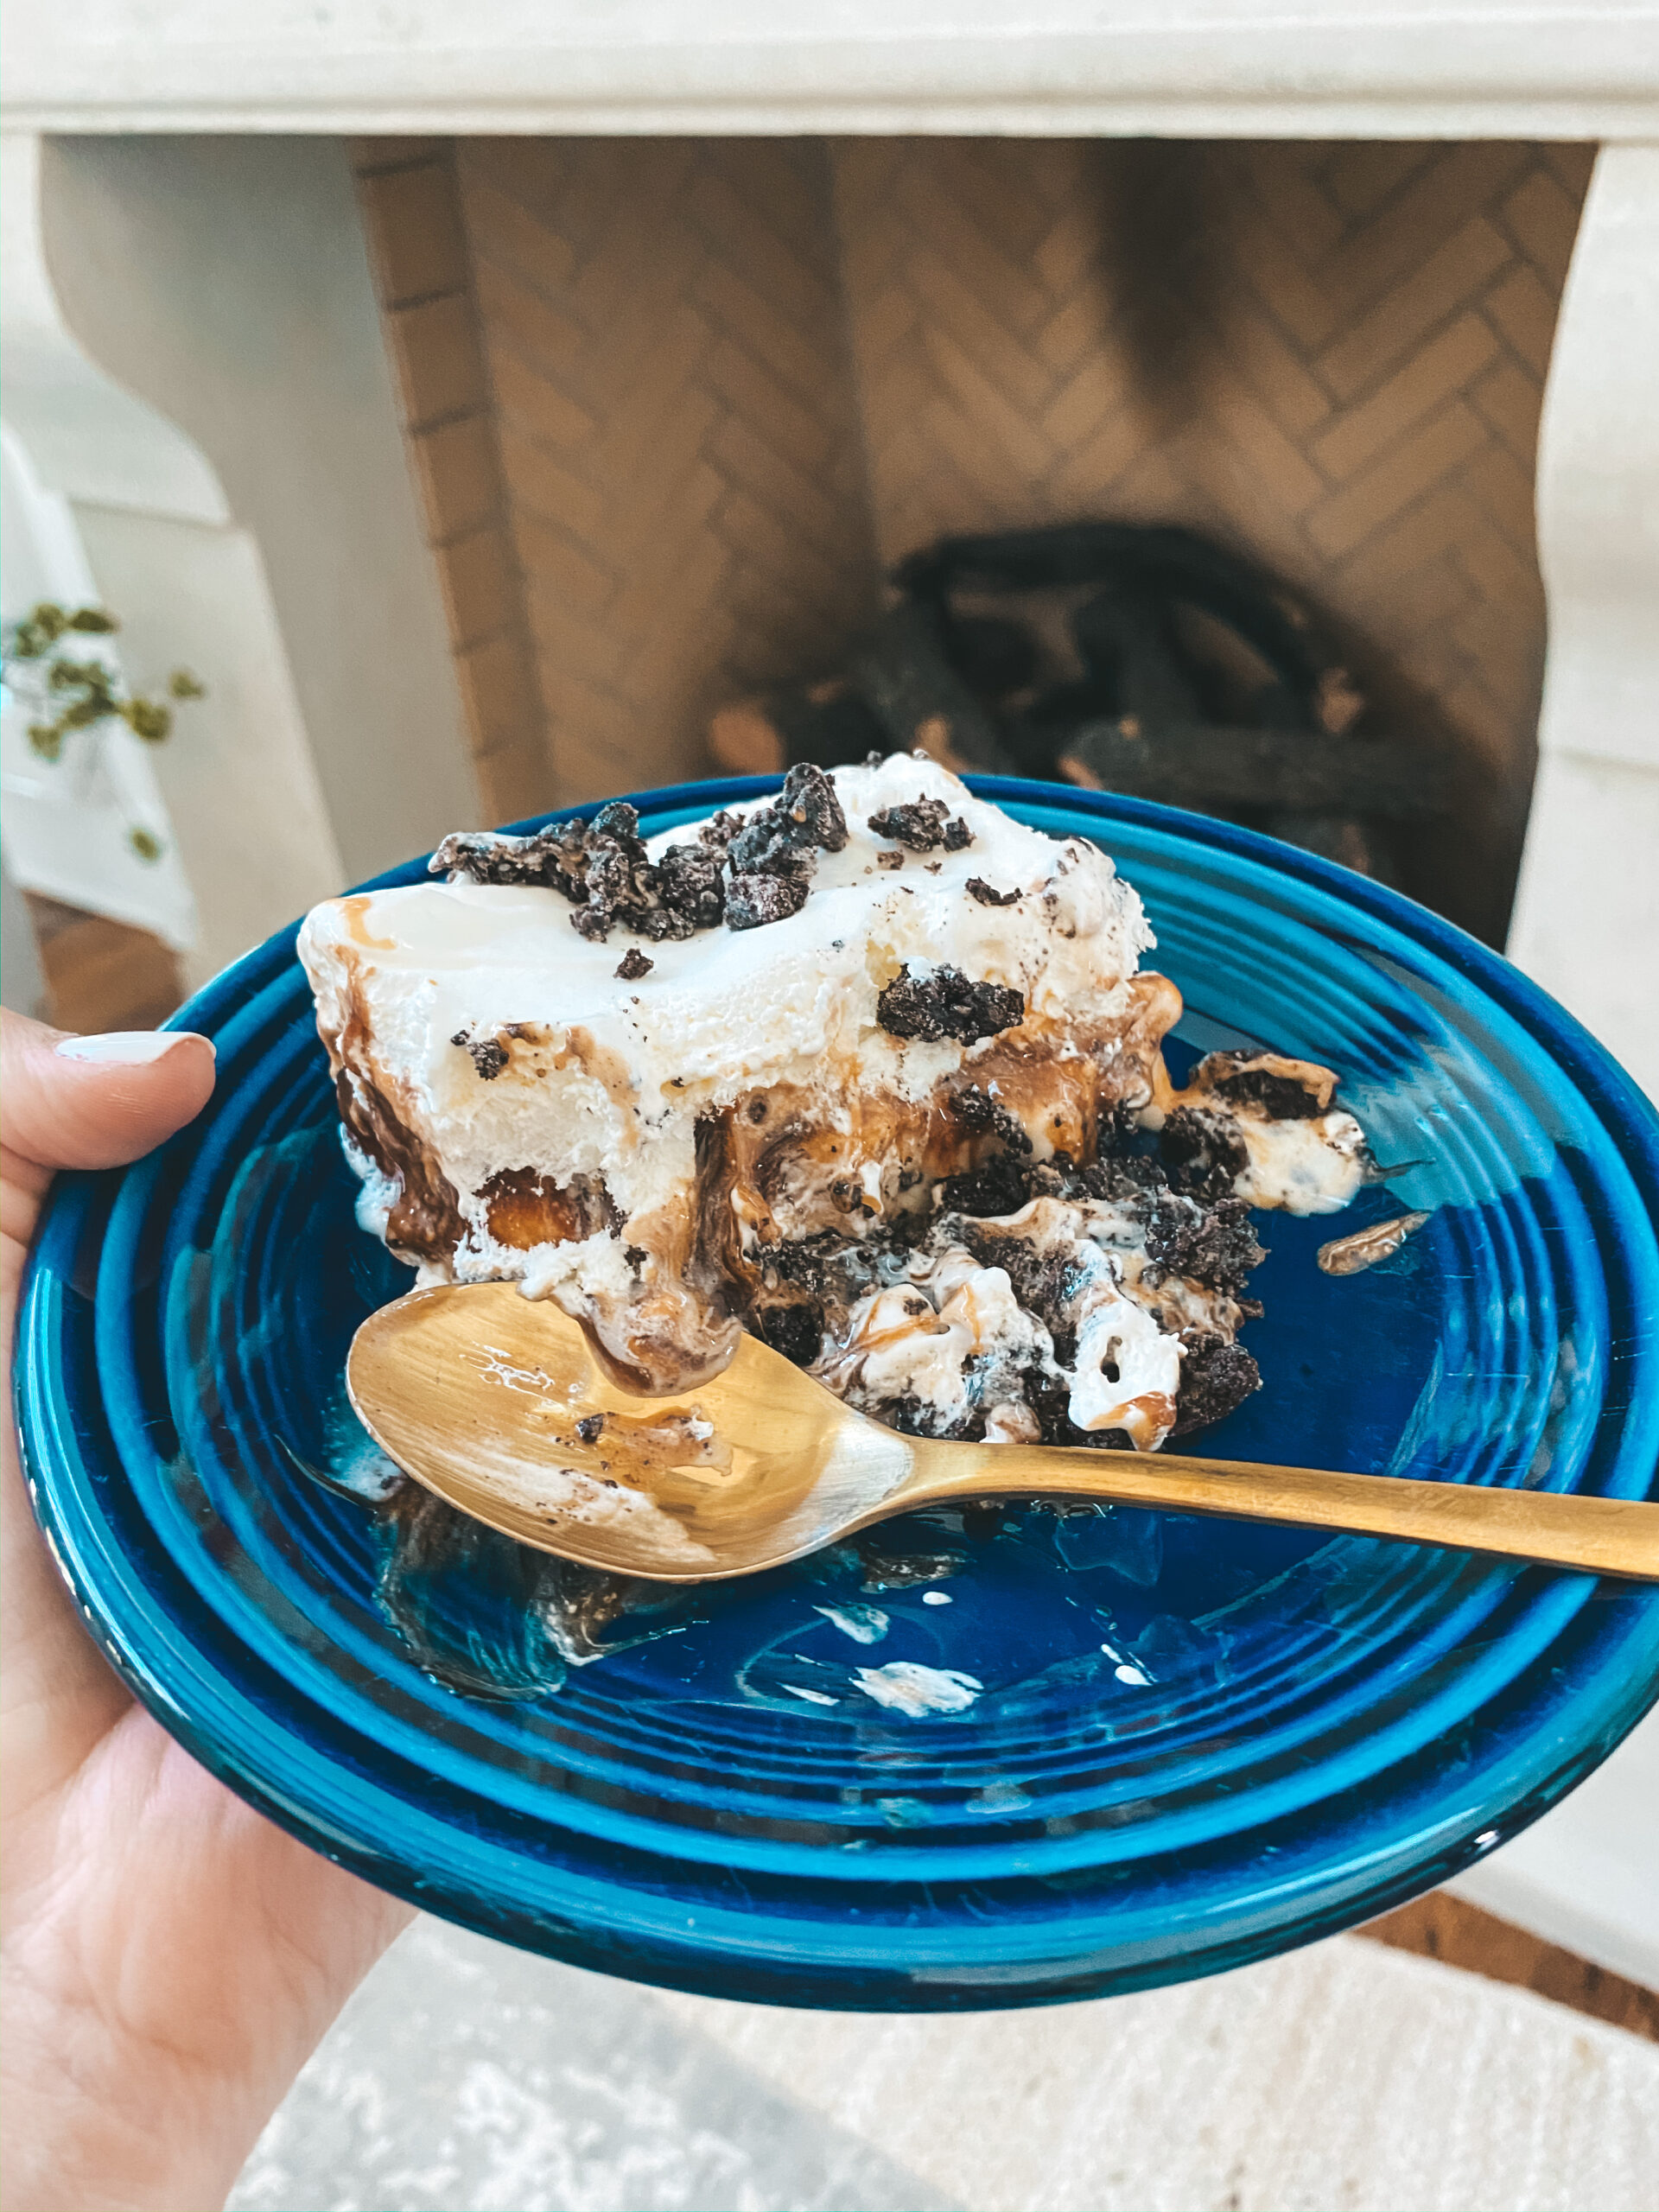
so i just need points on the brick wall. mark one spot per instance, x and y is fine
(1331, 357)
(423, 277)
(663, 328)
(725, 380)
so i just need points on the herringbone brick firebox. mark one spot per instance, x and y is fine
(674, 404)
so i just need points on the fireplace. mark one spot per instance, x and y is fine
(696, 320)
(677, 405)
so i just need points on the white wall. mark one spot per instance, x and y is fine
(67, 823)
(193, 358)
(1586, 909)
(226, 280)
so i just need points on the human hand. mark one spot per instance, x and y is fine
(168, 1959)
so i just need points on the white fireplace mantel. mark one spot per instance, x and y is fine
(1311, 68)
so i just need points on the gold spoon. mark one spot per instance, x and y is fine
(498, 1403)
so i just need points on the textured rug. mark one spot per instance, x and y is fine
(465, 2077)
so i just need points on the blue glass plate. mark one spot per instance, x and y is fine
(1193, 1742)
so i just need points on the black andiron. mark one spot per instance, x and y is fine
(1122, 656)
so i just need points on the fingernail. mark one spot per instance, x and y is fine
(126, 1048)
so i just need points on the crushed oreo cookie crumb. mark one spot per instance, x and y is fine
(945, 1004)
(914, 826)
(745, 870)
(889, 860)
(1203, 1151)
(553, 857)
(797, 1330)
(601, 867)
(767, 845)
(632, 965)
(752, 901)
(690, 886)
(1280, 1098)
(1216, 1377)
(809, 800)
(1042, 1282)
(1212, 1244)
(488, 1056)
(786, 837)
(588, 1427)
(984, 1115)
(978, 888)
(923, 827)
(997, 1187)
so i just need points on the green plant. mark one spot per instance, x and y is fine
(75, 694)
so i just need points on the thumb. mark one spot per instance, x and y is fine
(96, 1101)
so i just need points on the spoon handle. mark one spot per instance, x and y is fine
(1603, 1535)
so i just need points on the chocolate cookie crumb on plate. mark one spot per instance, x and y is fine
(978, 888)
(1216, 1377)
(1203, 1151)
(1213, 1245)
(632, 965)
(1280, 1098)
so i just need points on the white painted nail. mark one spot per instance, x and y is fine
(125, 1048)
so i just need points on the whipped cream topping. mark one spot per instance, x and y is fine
(612, 1077)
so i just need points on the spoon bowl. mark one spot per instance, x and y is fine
(498, 1404)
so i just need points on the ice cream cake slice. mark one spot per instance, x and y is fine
(870, 1069)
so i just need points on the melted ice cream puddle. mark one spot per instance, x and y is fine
(905, 1685)
(864, 1624)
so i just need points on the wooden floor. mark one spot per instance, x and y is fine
(1442, 1927)
(103, 976)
